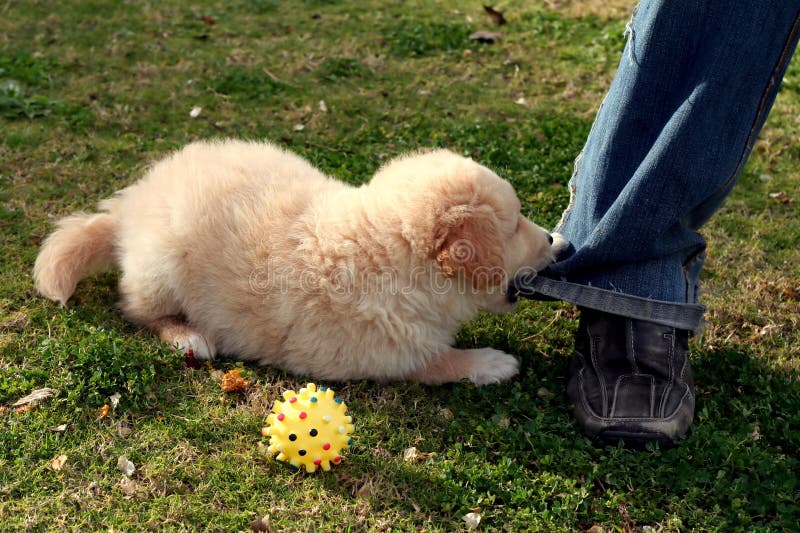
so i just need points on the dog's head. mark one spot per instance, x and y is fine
(467, 220)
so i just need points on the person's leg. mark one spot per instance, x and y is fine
(693, 89)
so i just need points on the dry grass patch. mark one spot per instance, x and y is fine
(604, 10)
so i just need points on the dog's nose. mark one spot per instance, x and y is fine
(550, 238)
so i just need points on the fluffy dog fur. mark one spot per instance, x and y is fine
(245, 249)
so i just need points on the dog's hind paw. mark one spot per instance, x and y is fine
(492, 366)
(200, 347)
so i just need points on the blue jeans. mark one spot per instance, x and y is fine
(693, 89)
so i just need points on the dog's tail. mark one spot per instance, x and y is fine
(82, 244)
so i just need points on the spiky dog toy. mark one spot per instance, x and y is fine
(310, 428)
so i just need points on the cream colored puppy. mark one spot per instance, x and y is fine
(242, 248)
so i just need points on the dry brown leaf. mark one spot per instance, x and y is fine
(496, 16)
(58, 463)
(473, 520)
(487, 37)
(791, 294)
(781, 196)
(125, 466)
(127, 486)
(261, 524)
(34, 397)
(233, 381)
(412, 454)
(366, 489)
(543, 392)
(103, 412)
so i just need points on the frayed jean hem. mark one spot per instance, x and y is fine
(677, 315)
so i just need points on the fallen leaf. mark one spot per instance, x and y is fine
(260, 524)
(472, 520)
(595, 529)
(34, 397)
(366, 489)
(791, 294)
(412, 454)
(127, 486)
(323, 106)
(58, 429)
(3, 409)
(298, 127)
(125, 466)
(103, 412)
(195, 112)
(233, 381)
(208, 20)
(496, 16)
(782, 197)
(123, 429)
(487, 37)
(542, 392)
(115, 400)
(446, 413)
(58, 463)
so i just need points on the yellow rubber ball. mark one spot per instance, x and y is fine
(310, 428)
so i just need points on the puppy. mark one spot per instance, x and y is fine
(245, 249)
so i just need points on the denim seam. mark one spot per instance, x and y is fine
(762, 104)
(677, 315)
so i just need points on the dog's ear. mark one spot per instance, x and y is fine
(467, 239)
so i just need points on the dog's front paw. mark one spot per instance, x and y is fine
(201, 347)
(492, 366)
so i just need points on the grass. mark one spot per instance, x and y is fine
(93, 91)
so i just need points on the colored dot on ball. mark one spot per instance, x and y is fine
(281, 417)
(318, 462)
(292, 437)
(337, 459)
(326, 446)
(313, 432)
(323, 389)
(341, 429)
(337, 400)
(293, 399)
(303, 415)
(327, 418)
(313, 399)
(301, 453)
(350, 441)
